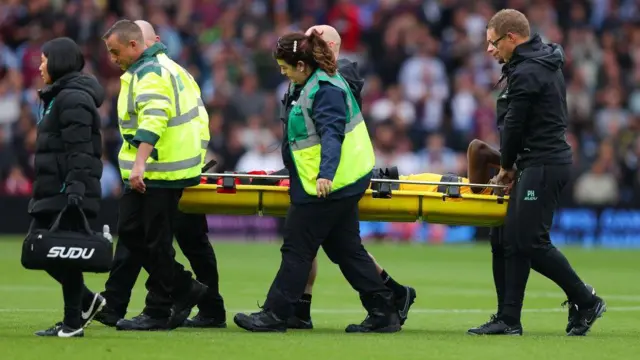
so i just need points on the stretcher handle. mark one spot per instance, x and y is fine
(413, 182)
(418, 182)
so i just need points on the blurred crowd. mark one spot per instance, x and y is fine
(429, 83)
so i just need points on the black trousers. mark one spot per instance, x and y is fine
(145, 228)
(498, 264)
(527, 243)
(335, 226)
(191, 235)
(74, 291)
(532, 204)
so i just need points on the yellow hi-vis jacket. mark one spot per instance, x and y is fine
(203, 118)
(158, 105)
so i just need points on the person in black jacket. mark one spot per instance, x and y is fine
(534, 153)
(68, 166)
(323, 123)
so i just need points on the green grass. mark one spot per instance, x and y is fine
(455, 292)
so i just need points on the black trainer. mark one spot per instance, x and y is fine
(404, 304)
(97, 304)
(61, 330)
(382, 315)
(475, 330)
(204, 321)
(587, 317)
(574, 314)
(142, 322)
(182, 308)
(495, 326)
(263, 321)
(108, 316)
(377, 324)
(295, 322)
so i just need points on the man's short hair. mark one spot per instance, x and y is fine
(125, 30)
(509, 21)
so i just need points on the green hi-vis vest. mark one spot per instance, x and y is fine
(356, 158)
(159, 105)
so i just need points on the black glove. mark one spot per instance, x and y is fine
(74, 199)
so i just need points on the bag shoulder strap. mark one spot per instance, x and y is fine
(85, 222)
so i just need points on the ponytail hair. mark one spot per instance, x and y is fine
(311, 50)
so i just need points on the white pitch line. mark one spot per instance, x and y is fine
(528, 294)
(362, 311)
(435, 291)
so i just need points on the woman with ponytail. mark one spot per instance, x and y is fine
(329, 156)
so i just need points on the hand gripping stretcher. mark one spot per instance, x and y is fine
(227, 196)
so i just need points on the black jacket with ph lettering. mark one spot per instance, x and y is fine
(532, 109)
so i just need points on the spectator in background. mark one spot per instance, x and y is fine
(110, 181)
(263, 155)
(7, 160)
(394, 107)
(599, 186)
(248, 99)
(436, 157)
(10, 86)
(463, 106)
(424, 80)
(16, 183)
(612, 116)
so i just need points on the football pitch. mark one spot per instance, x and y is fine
(455, 292)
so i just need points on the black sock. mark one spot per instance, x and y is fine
(498, 264)
(398, 290)
(510, 320)
(555, 266)
(303, 307)
(517, 268)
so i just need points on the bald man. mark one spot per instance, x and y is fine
(348, 70)
(191, 235)
(405, 295)
(149, 33)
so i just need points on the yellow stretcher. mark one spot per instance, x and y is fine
(449, 208)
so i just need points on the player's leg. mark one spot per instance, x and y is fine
(312, 277)
(191, 235)
(119, 285)
(405, 296)
(344, 247)
(301, 318)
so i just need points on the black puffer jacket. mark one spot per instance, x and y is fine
(69, 145)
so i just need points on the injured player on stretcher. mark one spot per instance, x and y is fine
(481, 159)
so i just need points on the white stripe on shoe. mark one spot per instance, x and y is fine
(63, 334)
(98, 303)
